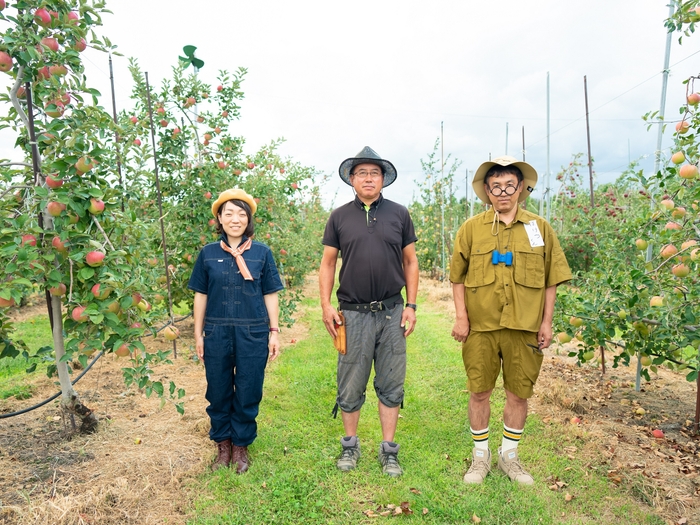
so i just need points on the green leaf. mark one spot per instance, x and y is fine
(86, 273)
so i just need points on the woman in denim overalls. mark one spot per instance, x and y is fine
(236, 322)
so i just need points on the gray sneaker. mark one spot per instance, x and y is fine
(512, 467)
(480, 467)
(351, 453)
(388, 457)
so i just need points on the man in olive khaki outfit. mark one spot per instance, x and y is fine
(506, 265)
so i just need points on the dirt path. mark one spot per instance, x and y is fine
(142, 464)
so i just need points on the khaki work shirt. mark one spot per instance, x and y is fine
(499, 296)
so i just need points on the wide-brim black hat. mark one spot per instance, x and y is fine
(367, 156)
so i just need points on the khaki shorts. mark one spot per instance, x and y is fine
(485, 353)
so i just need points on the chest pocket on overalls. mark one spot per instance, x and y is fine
(480, 271)
(529, 265)
(253, 287)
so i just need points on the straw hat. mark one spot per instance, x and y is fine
(234, 193)
(367, 156)
(529, 176)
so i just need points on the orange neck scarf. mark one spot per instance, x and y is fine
(238, 255)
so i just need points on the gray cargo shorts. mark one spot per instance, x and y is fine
(373, 337)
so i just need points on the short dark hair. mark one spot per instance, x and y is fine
(249, 230)
(496, 171)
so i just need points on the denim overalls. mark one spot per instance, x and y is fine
(236, 331)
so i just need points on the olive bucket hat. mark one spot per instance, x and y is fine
(529, 176)
(367, 156)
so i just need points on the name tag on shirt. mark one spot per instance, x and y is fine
(533, 233)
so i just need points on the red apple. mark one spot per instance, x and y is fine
(212, 222)
(6, 303)
(283, 251)
(221, 164)
(688, 171)
(575, 420)
(54, 108)
(200, 119)
(58, 70)
(160, 110)
(136, 298)
(295, 186)
(281, 170)
(44, 73)
(96, 206)
(58, 245)
(78, 315)
(42, 17)
(207, 195)
(694, 99)
(84, 164)
(236, 172)
(164, 123)
(28, 239)
(176, 131)
(682, 127)
(72, 18)
(135, 326)
(58, 291)
(94, 258)
(171, 333)
(123, 350)
(144, 305)
(191, 101)
(133, 119)
(137, 142)
(55, 208)
(153, 262)
(680, 270)
(220, 88)
(671, 225)
(5, 62)
(50, 42)
(80, 45)
(667, 203)
(217, 130)
(668, 251)
(678, 213)
(688, 244)
(100, 291)
(657, 300)
(2, 5)
(678, 157)
(224, 114)
(250, 165)
(53, 182)
(207, 137)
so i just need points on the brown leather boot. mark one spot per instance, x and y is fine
(240, 458)
(223, 460)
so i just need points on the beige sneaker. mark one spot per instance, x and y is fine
(512, 467)
(480, 468)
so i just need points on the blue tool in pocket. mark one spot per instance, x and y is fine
(506, 258)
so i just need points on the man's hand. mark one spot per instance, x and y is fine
(460, 331)
(330, 319)
(544, 336)
(273, 346)
(408, 316)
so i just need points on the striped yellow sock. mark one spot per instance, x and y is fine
(511, 438)
(480, 438)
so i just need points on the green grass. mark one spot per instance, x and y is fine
(293, 478)
(14, 381)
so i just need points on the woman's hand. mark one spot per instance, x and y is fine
(199, 347)
(274, 346)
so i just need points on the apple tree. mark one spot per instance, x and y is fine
(64, 232)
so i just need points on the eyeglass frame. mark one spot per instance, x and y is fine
(501, 191)
(362, 174)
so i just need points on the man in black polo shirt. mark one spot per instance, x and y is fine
(376, 239)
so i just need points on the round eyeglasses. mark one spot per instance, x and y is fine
(496, 191)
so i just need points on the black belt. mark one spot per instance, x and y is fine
(374, 306)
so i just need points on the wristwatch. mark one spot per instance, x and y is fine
(411, 305)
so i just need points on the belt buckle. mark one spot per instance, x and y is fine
(375, 306)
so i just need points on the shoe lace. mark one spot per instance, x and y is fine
(479, 466)
(390, 459)
(348, 453)
(516, 468)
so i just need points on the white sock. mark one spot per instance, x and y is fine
(480, 438)
(511, 438)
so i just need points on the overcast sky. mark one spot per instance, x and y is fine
(332, 77)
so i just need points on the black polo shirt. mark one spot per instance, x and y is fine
(371, 243)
